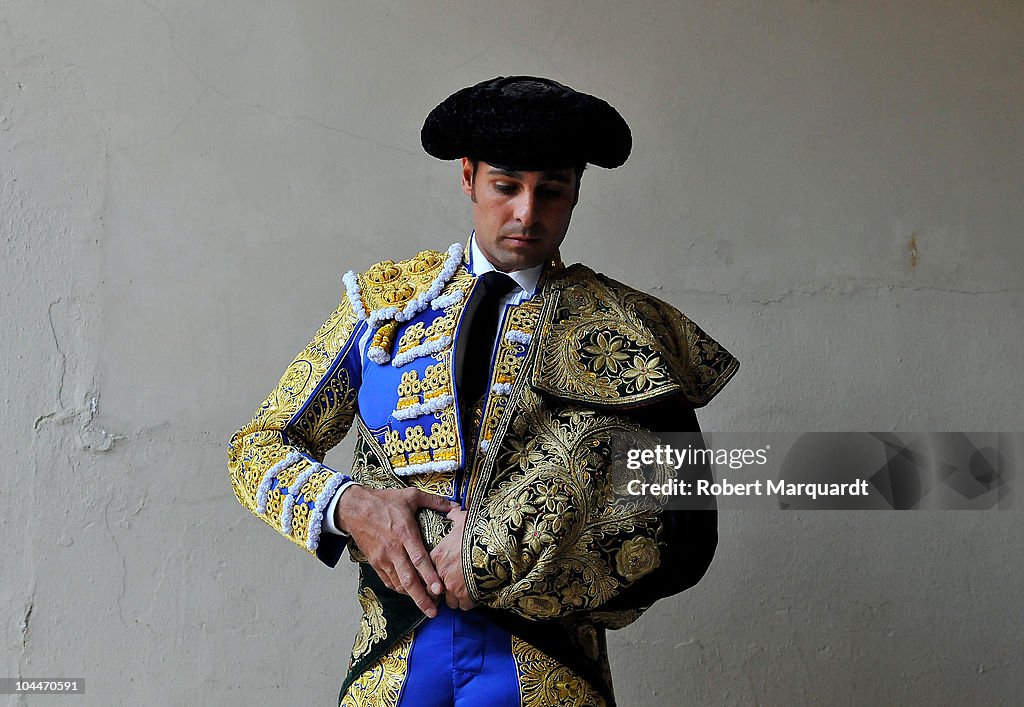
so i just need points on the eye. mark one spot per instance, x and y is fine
(505, 188)
(550, 192)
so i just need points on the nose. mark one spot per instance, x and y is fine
(526, 208)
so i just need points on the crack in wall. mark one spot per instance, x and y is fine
(91, 437)
(184, 119)
(60, 352)
(255, 106)
(43, 418)
(25, 625)
(124, 563)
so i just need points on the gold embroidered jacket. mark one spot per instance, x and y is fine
(553, 550)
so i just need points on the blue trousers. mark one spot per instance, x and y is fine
(462, 659)
(458, 658)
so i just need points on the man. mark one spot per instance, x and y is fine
(489, 385)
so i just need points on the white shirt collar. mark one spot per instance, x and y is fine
(526, 279)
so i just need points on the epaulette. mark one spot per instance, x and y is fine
(609, 344)
(390, 292)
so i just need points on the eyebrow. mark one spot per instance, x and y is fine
(547, 175)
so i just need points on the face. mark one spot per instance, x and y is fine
(520, 216)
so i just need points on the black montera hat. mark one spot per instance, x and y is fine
(526, 122)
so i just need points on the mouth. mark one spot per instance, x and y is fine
(521, 238)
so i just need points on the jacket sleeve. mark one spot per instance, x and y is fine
(690, 533)
(559, 535)
(276, 461)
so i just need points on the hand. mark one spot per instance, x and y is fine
(447, 558)
(383, 525)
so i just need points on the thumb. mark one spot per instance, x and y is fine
(429, 500)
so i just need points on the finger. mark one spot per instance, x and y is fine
(410, 583)
(387, 573)
(437, 557)
(384, 577)
(451, 600)
(465, 603)
(429, 500)
(455, 513)
(423, 562)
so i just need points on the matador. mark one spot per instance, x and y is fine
(490, 386)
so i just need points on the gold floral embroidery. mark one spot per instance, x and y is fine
(328, 415)
(605, 341)
(367, 467)
(544, 682)
(637, 557)
(574, 594)
(643, 372)
(381, 684)
(439, 483)
(606, 351)
(372, 624)
(547, 537)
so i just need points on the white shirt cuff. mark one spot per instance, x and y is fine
(328, 523)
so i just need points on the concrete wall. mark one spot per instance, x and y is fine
(832, 188)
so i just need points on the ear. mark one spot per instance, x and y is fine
(467, 177)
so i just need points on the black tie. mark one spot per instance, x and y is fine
(482, 330)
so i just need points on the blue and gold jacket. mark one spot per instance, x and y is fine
(551, 550)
